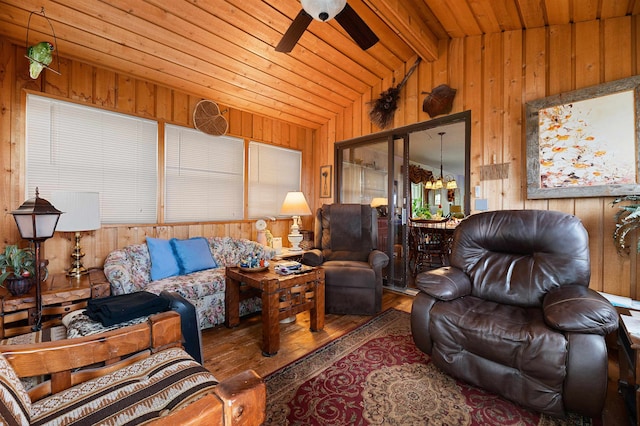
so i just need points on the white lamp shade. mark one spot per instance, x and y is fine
(81, 210)
(36, 218)
(295, 204)
(36, 226)
(317, 7)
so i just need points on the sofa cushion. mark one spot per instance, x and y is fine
(192, 286)
(152, 387)
(139, 263)
(163, 261)
(193, 255)
(229, 251)
(15, 404)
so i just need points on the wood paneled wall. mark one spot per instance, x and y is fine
(495, 75)
(104, 88)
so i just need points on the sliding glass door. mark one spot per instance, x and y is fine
(378, 170)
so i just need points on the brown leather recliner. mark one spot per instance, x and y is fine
(513, 312)
(345, 245)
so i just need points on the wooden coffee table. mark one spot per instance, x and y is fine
(282, 297)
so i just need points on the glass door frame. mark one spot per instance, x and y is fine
(400, 200)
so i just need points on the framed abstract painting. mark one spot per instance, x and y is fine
(584, 143)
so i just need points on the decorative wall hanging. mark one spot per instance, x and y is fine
(439, 100)
(325, 181)
(208, 119)
(40, 55)
(384, 108)
(585, 143)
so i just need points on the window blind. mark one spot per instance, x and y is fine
(273, 171)
(81, 148)
(204, 176)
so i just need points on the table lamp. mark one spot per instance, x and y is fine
(380, 204)
(36, 219)
(295, 205)
(82, 214)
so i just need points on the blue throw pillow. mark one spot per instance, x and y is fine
(193, 254)
(163, 261)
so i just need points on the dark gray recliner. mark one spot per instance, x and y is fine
(514, 312)
(345, 241)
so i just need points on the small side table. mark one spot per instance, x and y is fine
(60, 295)
(282, 297)
(629, 363)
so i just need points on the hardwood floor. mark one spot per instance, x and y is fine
(229, 351)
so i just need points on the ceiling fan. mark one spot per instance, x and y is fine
(325, 10)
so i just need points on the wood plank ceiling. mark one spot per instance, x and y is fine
(224, 49)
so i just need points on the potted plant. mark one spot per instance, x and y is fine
(17, 267)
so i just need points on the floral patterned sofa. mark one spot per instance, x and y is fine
(129, 270)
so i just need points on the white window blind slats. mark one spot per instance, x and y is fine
(273, 171)
(81, 148)
(78, 148)
(204, 176)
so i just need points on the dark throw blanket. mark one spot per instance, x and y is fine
(124, 307)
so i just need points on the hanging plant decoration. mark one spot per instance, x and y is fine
(40, 55)
(439, 100)
(384, 108)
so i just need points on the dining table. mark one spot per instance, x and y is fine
(430, 242)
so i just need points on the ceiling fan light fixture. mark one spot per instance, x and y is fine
(323, 10)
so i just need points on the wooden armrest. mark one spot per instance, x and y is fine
(244, 397)
(62, 358)
(205, 411)
(238, 400)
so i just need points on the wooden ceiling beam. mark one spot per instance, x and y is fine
(196, 49)
(205, 87)
(402, 16)
(530, 13)
(251, 49)
(457, 17)
(326, 39)
(485, 15)
(81, 44)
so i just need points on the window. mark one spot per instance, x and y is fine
(204, 176)
(79, 148)
(273, 171)
(82, 148)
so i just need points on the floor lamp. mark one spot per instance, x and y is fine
(82, 213)
(36, 219)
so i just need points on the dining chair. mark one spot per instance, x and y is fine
(429, 246)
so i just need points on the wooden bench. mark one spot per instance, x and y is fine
(82, 366)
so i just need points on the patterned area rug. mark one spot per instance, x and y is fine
(375, 375)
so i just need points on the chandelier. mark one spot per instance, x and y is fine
(447, 182)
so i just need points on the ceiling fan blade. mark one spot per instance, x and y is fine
(356, 27)
(293, 34)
